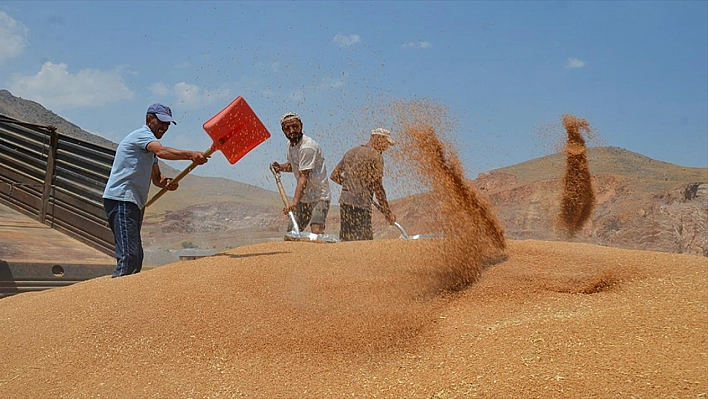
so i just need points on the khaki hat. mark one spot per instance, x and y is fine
(385, 133)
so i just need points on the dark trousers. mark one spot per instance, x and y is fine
(310, 212)
(355, 223)
(125, 220)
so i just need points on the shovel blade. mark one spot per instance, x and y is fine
(295, 236)
(236, 130)
(311, 237)
(405, 236)
(422, 236)
(327, 238)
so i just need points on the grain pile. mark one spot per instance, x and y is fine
(578, 197)
(362, 319)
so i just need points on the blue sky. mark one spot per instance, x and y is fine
(506, 71)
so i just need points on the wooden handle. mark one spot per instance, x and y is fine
(179, 177)
(283, 196)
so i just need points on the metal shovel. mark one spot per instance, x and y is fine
(295, 234)
(405, 235)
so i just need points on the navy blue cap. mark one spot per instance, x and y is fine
(163, 112)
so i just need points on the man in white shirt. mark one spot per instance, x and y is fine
(305, 160)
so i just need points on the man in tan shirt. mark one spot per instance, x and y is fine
(360, 173)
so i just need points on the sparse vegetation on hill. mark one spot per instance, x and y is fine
(657, 175)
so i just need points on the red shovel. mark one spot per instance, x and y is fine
(236, 130)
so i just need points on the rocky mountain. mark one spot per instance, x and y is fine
(641, 203)
(33, 112)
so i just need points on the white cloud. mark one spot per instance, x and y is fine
(189, 95)
(574, 63)
(346, 41)
(420, 45)
(159, 89)
(13, 36)
(56, 88)
(331, 83)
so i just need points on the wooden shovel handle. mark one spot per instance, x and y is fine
(179, 177)
(283, 196)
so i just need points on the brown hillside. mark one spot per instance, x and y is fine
(656, 176)
(369, 319)
(641, 203)
(198, 190)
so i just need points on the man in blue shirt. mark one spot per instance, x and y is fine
(134, 167)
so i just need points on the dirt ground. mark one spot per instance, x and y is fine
(369, 320)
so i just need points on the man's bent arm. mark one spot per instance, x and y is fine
(174, 154)
(336, 175)
(380, 194)
(301, 186)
